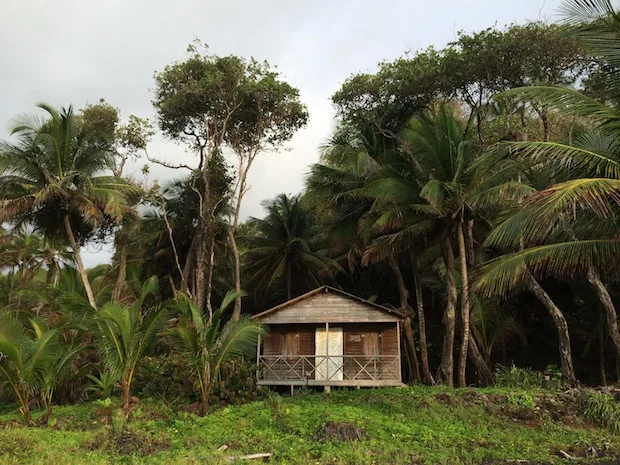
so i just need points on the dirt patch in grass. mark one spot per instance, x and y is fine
(341, 431)
(127, 443)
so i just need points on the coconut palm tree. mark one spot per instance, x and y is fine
(52, 178)
(336, 190)
(570, 227)
(208, 342)
(126, 332)
(427, 194)
(286, 247)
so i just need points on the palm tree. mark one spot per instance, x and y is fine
(285, 247)
(337, 191)
(51, 178)
(425, 194)
(32, 360)
(208, 342)
(570, 227)
(126, 332)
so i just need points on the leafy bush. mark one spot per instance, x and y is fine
(603, 409)
(237, 383)
(167, 377)
(513, 376)
(524, 399)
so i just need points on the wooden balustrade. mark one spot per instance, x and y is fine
(326, 368)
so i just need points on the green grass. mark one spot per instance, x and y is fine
(403, 426)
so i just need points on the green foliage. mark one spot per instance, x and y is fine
(208, 98)
(524, 400)
(515, 377)
(102, 385)
(207, 341)
(237, 383)
(33, 359)
(285, 250)
(165, 377)
(605, 410)
(473, 68)
(125, 333)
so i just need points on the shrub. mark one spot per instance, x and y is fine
(603, 409)
(237, 383)
(167, 377)
(513, 376)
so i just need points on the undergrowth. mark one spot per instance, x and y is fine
(418, 425)
(603, 409)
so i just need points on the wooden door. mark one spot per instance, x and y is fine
(330, 344)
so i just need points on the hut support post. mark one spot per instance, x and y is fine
(327, 388)
(400, 369)
(258, 357)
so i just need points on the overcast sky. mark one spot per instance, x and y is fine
(76, 51)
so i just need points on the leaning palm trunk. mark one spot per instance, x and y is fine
(462, 367)
(608, 305)
(428, 377)
(412, 356)
(566, 358)
(79, 262)
(485, 375)
(446, 370)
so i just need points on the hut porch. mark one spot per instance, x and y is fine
(330, 338)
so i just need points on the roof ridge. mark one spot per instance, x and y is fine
(327, 288)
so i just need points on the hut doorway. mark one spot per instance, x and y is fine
(329, 348)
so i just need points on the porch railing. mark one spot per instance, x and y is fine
(328, 367)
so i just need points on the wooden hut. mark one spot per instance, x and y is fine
(328, 337)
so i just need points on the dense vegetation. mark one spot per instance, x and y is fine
(476, 188)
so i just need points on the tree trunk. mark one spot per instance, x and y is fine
(56, 275)
(50, 274)
(25, 411)
(289, 277)
(601, 354)
(79, 262)
(462, 367)
(608, 305)
(204, 399)
(428, 377)
(125, 385)
(566, 358)
(189, 262)
(407, 325)
(446, 370)
(200, 275)
(236, 272)
(210, 265)
(122, 272)
(485, 375)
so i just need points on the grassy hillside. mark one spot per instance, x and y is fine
(397, 426)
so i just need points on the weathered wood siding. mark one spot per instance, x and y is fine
(293, 341)
(366, 341)
(328, 308)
